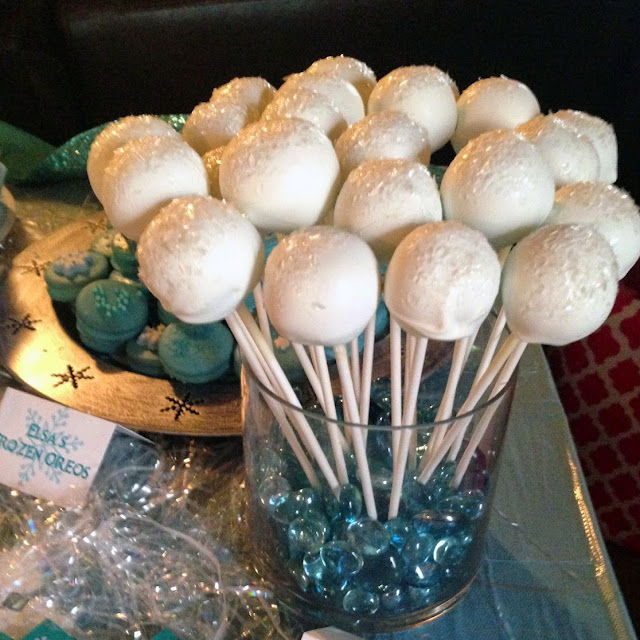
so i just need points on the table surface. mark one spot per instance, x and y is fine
(546, 574)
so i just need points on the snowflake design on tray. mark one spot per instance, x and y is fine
(15, 325)
(49, 436)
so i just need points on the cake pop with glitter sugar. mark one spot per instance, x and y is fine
(609, 210)
(499, 184)
(340, 93)
(602, 136)
(492, 103)
(354, 71)
(383, 200)
(281, 173)
(442, 281)
(321, 286)
(425, 93)
(301, 102)
(388, 134)
(559, 284)
(115, 136)
(571, 156)
(200, 258)
(144, 175)
(252, 92)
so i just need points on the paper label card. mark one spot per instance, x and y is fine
(48, 450)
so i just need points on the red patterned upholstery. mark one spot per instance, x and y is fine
(598, 380)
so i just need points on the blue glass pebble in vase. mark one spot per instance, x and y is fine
(333, 555)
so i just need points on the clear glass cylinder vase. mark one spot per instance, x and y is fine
(328, 561)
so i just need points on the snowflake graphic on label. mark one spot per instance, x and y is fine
(47, 445)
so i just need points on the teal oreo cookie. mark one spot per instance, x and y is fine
(108, 313)
(196, 352)
(123, 256)
(67, 275)
(142, 352)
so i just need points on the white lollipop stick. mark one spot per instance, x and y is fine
(409, 348)
(460, 351)
(492, 344)
(355, 367)
(498, 325)
(395, 338)
(473, 398)
(263, 319)
(367, 366)
(405, 438)
(349, 399)
(481, 427)
(249, 352)
(289, 395)
(311, 373)
(337, 439)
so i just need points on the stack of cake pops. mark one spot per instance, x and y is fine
(335, 163)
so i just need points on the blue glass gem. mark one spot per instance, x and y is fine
(350, 500)
(449, 551)
(360, 601)
(331, 504)
(269, 463)
(339, 528)
(313, 566)
(272, 491)
(284, 510)
(369, 536)
(437, 523)
(422, 596)
(444, 472)
(416, 497)
(381, 572)
(423, 574)
(399, 529)
(419, 548)
(307, 533)
(308, 500)
(341, 558)
(394, 600)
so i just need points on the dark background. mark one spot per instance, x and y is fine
(67, 65)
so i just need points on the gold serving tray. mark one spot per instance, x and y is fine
(38, 348)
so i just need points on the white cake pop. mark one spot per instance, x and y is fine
(425, 93)
(341, 94)
(321, 286)
(559, 284)
(300, 102)
(571, 156)
(114, 136)
(352, 70)
(499, 184)
(383, 200)
(442, 281)
(281, 173)
(144, 175)
(200, 257)
(388, 134)
(606, 208)
(602, 136)
(492, 103)
(211, 161)
(213, 124)
(251, 92)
